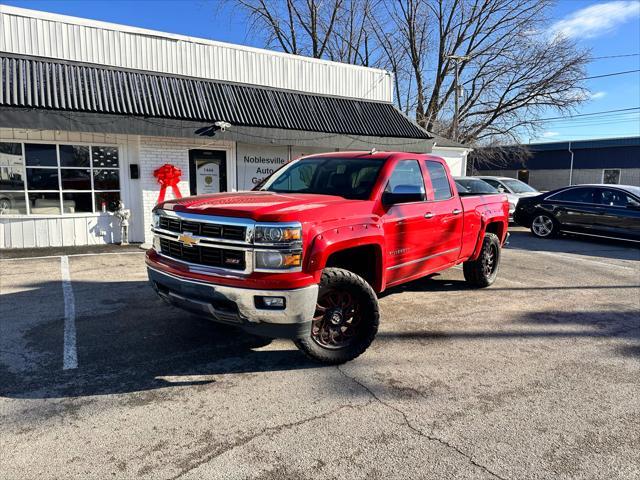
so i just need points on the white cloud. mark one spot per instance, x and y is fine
(596, 20)
(597, 95)
(550, 134)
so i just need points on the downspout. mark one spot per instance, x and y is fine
(571, 166)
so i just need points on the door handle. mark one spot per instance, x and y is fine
(429, 215)
(457, 211)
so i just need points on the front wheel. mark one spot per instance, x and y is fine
(483, 271)
(345, 321)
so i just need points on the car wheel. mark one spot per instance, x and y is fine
(345, 321)
(543, 226)
(483, 271)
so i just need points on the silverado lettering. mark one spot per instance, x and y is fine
(304, 255)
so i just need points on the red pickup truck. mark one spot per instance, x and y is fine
(304, 254)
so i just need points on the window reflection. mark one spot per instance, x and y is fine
(12, 203)
(75, 179)
(42, 203)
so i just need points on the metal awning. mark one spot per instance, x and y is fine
(64, 86)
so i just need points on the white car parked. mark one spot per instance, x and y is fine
(513, 188)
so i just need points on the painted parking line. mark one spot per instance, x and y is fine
(71, 255)
(70, 354)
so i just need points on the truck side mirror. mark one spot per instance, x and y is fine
(403, 194)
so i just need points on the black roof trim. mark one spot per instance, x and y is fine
(60, 85)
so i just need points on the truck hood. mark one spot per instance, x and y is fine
(270, 206)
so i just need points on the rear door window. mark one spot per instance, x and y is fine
(439, 180)
(576, 195)
(614, 198)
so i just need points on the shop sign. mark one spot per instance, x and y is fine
(256, 162)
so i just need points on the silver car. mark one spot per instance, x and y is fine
(514, 190)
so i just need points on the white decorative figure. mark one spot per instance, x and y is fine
(123, 215)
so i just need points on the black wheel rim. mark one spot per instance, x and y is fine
(337, 319)
(489, 260)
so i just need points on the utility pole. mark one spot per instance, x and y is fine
(458, 90)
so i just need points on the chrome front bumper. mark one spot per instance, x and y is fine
(237, 306)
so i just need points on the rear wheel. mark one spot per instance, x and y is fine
(543, 226)
(345, 320)
(483, 271)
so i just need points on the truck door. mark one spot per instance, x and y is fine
(443, 211)
(405, 226)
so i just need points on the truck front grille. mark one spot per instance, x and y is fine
(209, 256)
(210, 230)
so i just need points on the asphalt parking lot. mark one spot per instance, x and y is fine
(535, 377)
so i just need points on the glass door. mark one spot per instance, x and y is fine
(207, 171)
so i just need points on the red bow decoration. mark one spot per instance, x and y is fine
(168, 176)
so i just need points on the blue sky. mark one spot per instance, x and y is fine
(608, 28)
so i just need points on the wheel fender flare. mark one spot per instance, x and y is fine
(483, 231)
(333, 240)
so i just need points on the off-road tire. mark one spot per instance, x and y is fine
(340, 281)
(475, 271)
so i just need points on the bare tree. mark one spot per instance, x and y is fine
(513, 73)
(352, 38)
(300, 27)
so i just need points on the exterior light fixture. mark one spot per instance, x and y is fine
(210, 130)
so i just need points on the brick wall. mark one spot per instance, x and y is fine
(153, 152)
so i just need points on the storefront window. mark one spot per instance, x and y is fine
(50, 179)
(12, 185)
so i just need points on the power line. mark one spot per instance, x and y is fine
(617, 56)
(588, 114)
(628, 117)
(611, 74)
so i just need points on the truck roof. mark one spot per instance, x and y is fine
(372, 156)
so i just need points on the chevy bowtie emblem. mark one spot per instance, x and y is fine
(187, 239)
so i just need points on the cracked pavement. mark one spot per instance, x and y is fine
(535, 377)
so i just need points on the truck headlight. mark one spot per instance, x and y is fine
(155, 219)
(277, 260)
(277, 234)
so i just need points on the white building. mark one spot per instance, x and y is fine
(89, 110)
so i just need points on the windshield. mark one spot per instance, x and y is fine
(351, 178)
(516, 186)
(475, 186)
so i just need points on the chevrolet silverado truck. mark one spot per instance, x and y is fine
(304, 255)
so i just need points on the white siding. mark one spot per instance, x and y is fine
(456, 159)
(41, 34)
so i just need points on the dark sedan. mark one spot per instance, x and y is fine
(610, 211)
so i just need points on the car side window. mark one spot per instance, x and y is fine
(613, 198)
(494, 183)
(576, 195)
(439, 180)
(406, 178)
